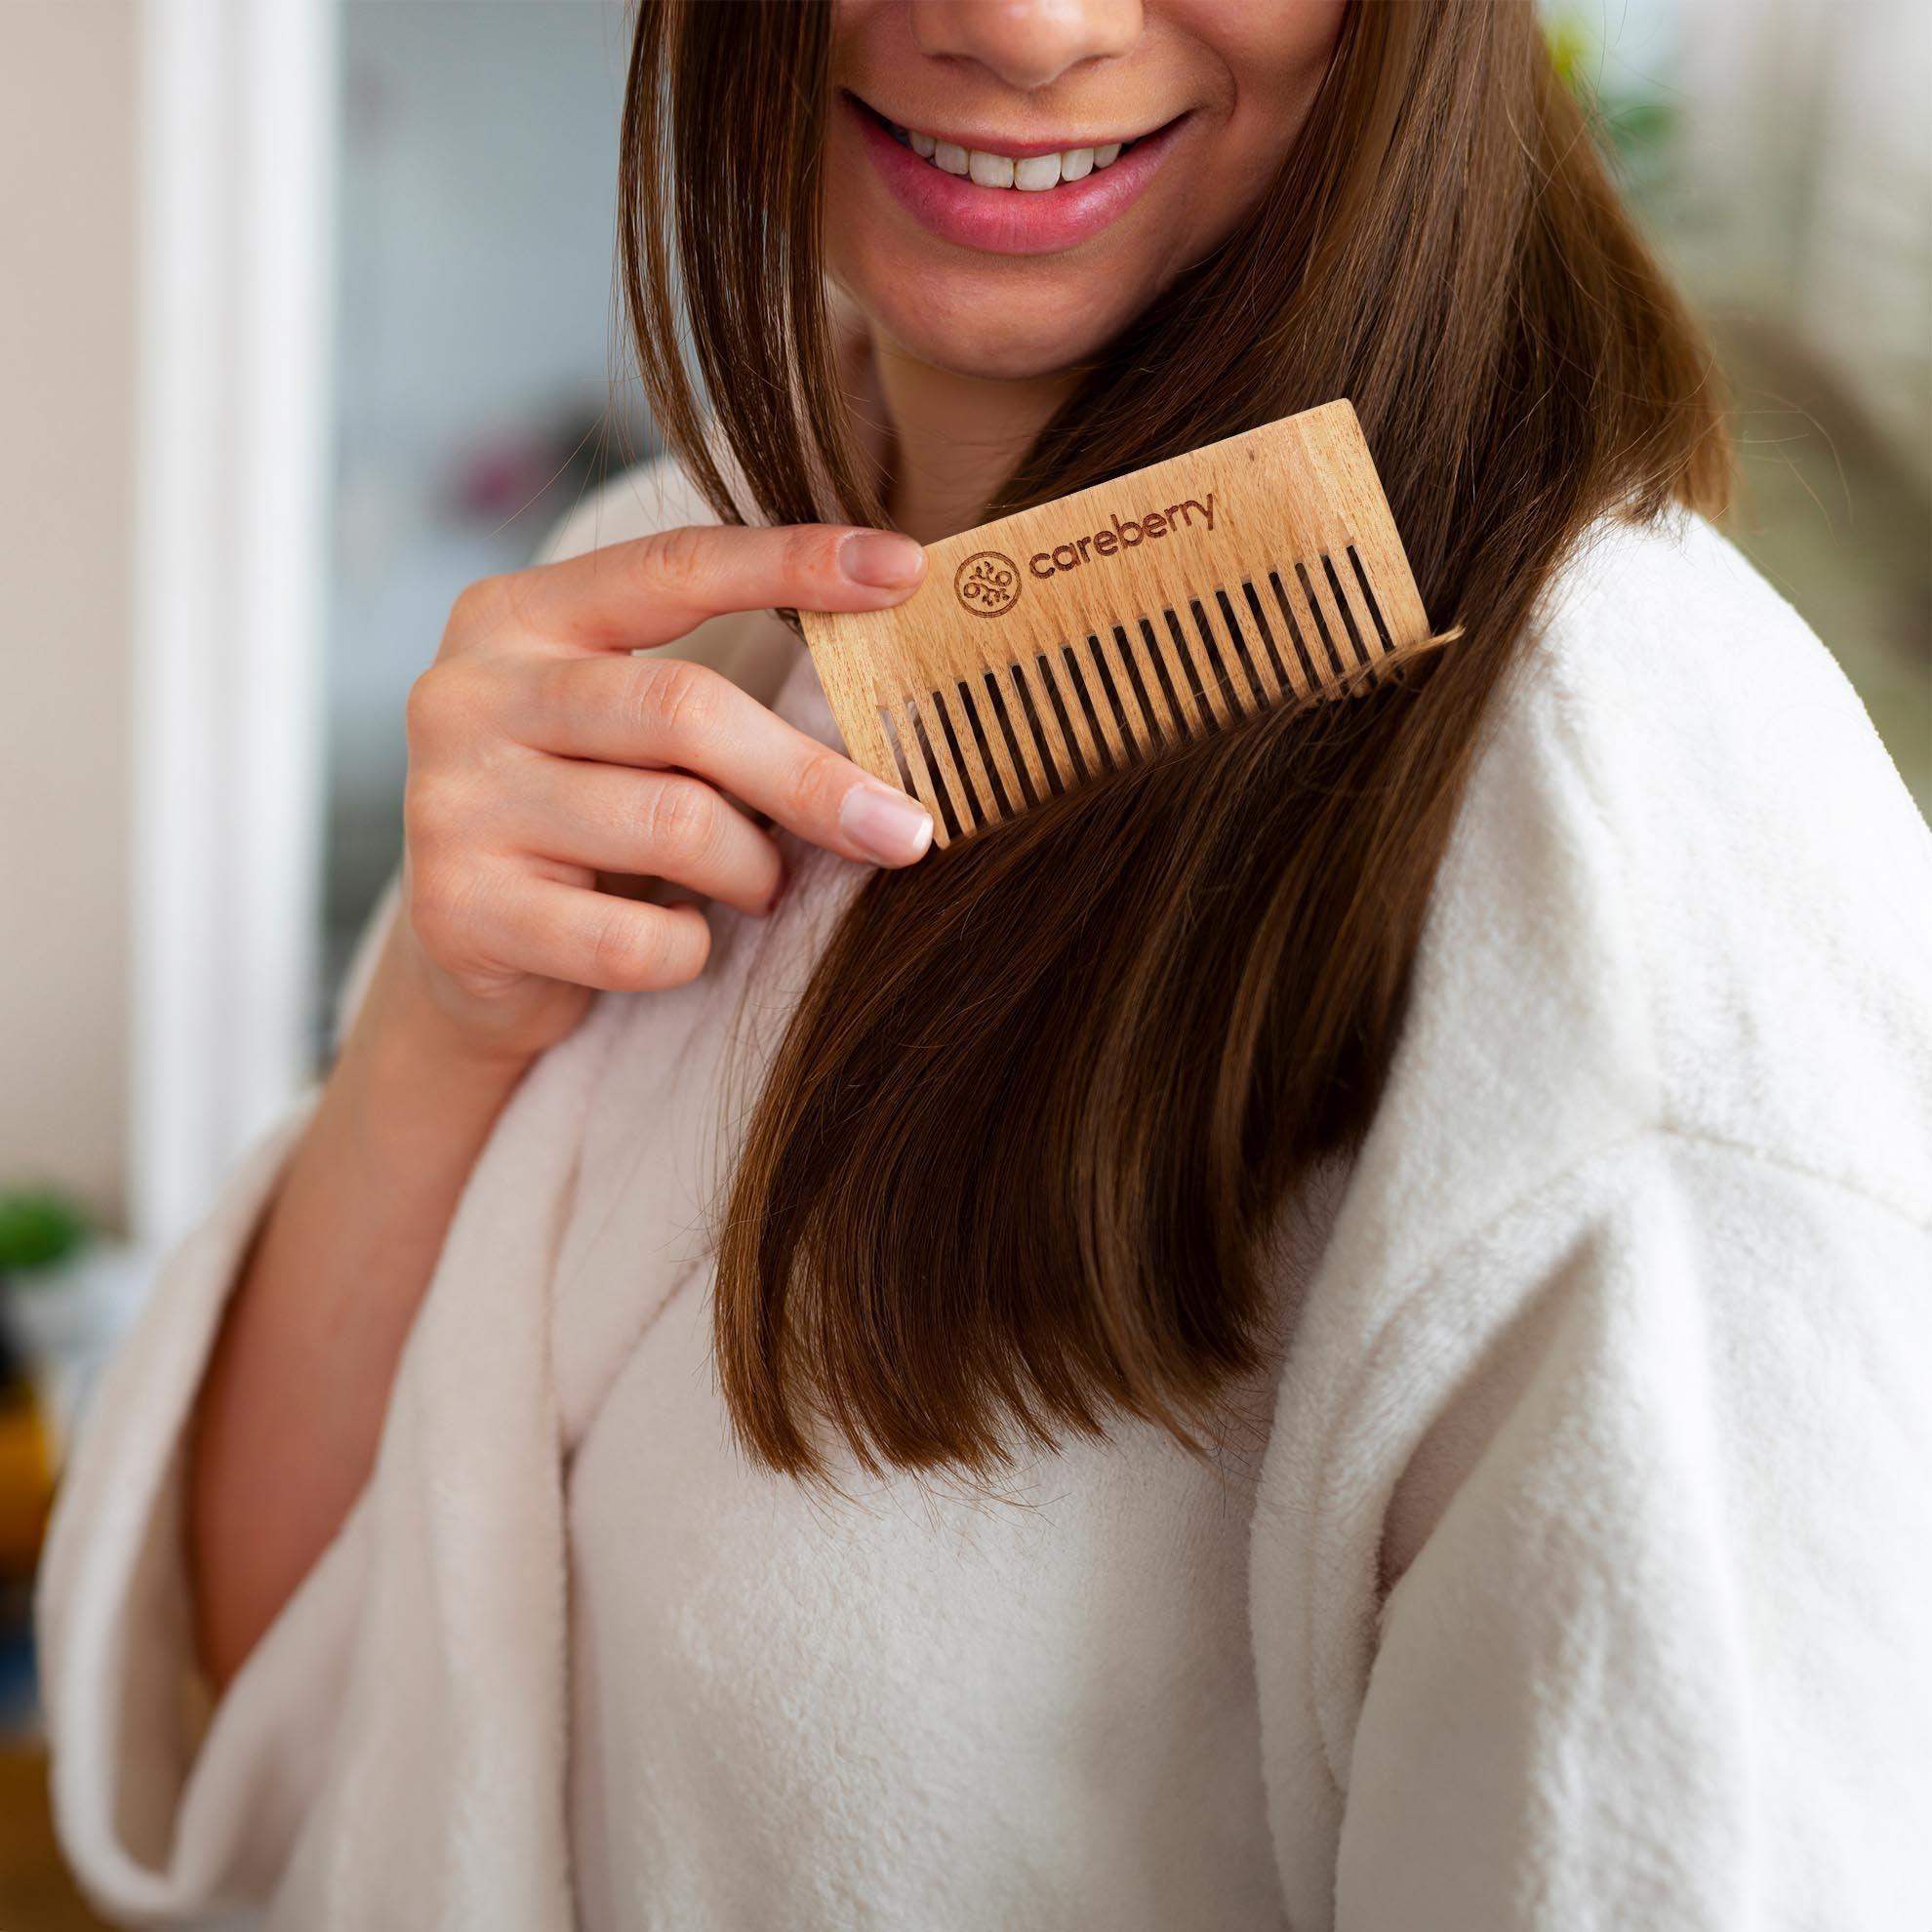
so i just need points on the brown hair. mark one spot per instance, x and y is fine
(1013, 1164)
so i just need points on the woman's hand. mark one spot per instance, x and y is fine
(543, 754)
(540, 755)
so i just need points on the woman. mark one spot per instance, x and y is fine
(1330, 1331)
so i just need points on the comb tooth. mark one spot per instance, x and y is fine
(1335, 673)
(912, 775)
(923, 786)
(1334, 633)
(1003, 782)
(1298, 629)
(1095, 714)
(1176, 682)
(1020, 755)
(1364, 657)
(1372, 601)
(1077, 758)
(1380, 641)
(1162, 730)
(1284, 678)
(1142, 730)
(1043, 728)
(965, 751)
(954, 796)
(1210, 696)
(1121, 742)
(1264, 691)
(1313, 640)
(1239, 697)
(898, 750)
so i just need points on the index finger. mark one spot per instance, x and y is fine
(652, 590)
(669, 712)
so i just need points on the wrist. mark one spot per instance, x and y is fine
(404, 1032)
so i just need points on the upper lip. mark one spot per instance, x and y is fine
(1007, 145)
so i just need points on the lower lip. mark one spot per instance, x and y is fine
(1011, 220)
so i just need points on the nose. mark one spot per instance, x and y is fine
(1026, 43)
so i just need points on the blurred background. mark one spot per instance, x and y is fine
(307, 321)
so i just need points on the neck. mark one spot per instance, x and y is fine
(955, 438)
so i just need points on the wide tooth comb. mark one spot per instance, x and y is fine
(1058, 643)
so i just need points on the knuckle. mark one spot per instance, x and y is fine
(445, 705)
(675, 700)
(675, 560)
(681, 822)
(815, 787)
(427, 816)
(627, 950)
(449, 820)
(480, 607)
(439, 908)
(421, 708)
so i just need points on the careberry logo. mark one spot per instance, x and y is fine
(988, 583)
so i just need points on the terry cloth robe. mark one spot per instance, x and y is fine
(1575, 1572)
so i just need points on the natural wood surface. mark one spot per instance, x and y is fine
(1055, 643)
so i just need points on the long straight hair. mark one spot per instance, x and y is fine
(1013, 1166)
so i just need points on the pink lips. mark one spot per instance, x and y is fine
(1011, 220)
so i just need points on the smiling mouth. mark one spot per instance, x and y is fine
(987, 168)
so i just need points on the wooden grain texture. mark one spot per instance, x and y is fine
(1052, 644)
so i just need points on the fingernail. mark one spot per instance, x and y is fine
(882, 559)
(885, 825)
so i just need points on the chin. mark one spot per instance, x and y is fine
(1001, 332)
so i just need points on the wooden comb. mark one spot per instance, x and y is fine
(1052, 645)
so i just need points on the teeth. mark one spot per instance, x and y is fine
(1032, 175)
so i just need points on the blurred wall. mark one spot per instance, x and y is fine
(67, 115)
(1805, 190)
(477, 219)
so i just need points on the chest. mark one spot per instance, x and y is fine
(906, 1704)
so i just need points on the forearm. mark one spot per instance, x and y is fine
(292, 1407)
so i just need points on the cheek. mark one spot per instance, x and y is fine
(1274, 54)
(1257, 40)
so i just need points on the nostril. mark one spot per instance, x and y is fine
(1027, 44)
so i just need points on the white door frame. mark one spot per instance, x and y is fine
(237, 173)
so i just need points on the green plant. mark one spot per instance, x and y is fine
(1634, 112)
(38, 1228)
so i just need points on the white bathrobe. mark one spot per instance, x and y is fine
(1577, 1574)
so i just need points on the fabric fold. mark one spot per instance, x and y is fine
(159, 1820)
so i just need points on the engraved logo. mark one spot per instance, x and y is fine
(987, 584)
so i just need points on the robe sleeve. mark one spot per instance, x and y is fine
(169, 1805)
(1616, 1608)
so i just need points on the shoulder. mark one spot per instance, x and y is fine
(1660, 650)
(1664, 668)
(1687, 890)
(745, 646)
(1668, 1055)
(1728, 798)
